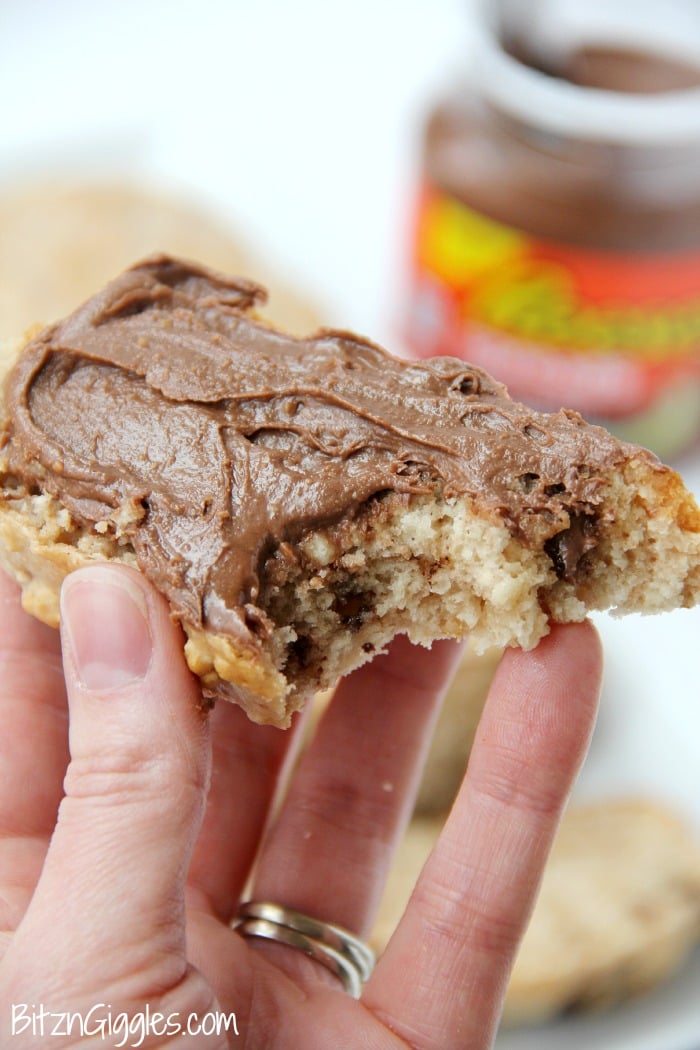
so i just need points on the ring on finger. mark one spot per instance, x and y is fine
(336, 948)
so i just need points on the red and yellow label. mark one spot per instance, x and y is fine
(608, 333)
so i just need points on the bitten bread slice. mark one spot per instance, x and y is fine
(301, 501)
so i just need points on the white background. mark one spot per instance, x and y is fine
(300, 122)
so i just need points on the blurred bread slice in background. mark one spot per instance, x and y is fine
(618, 912)
(61, 240)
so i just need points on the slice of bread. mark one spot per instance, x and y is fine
(301, 501)
(62, 238)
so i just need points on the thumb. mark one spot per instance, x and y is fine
(112, 886)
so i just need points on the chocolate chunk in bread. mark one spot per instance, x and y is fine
(301, 501)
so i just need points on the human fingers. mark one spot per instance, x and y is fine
(247, 763)
(112, 886)
(33, 748)
(441, 979)
(352, 794)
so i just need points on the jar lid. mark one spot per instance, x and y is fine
(668, 29)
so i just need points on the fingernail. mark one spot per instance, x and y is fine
(104, 619)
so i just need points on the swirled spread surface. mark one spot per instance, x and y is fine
(166, 400)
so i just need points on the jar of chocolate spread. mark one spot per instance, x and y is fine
(557, 233)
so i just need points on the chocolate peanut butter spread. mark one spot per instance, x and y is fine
(216, 440)
(556, 234)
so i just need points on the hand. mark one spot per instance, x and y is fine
(129, 822)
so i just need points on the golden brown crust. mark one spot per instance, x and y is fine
(37, 548)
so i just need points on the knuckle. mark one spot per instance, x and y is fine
(512, 781)
(112, 776)
(460, 922)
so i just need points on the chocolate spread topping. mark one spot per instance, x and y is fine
(217, 439)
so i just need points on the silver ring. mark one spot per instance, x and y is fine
(337, 949)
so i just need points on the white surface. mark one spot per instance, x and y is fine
(296, 118)
(299, 120)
